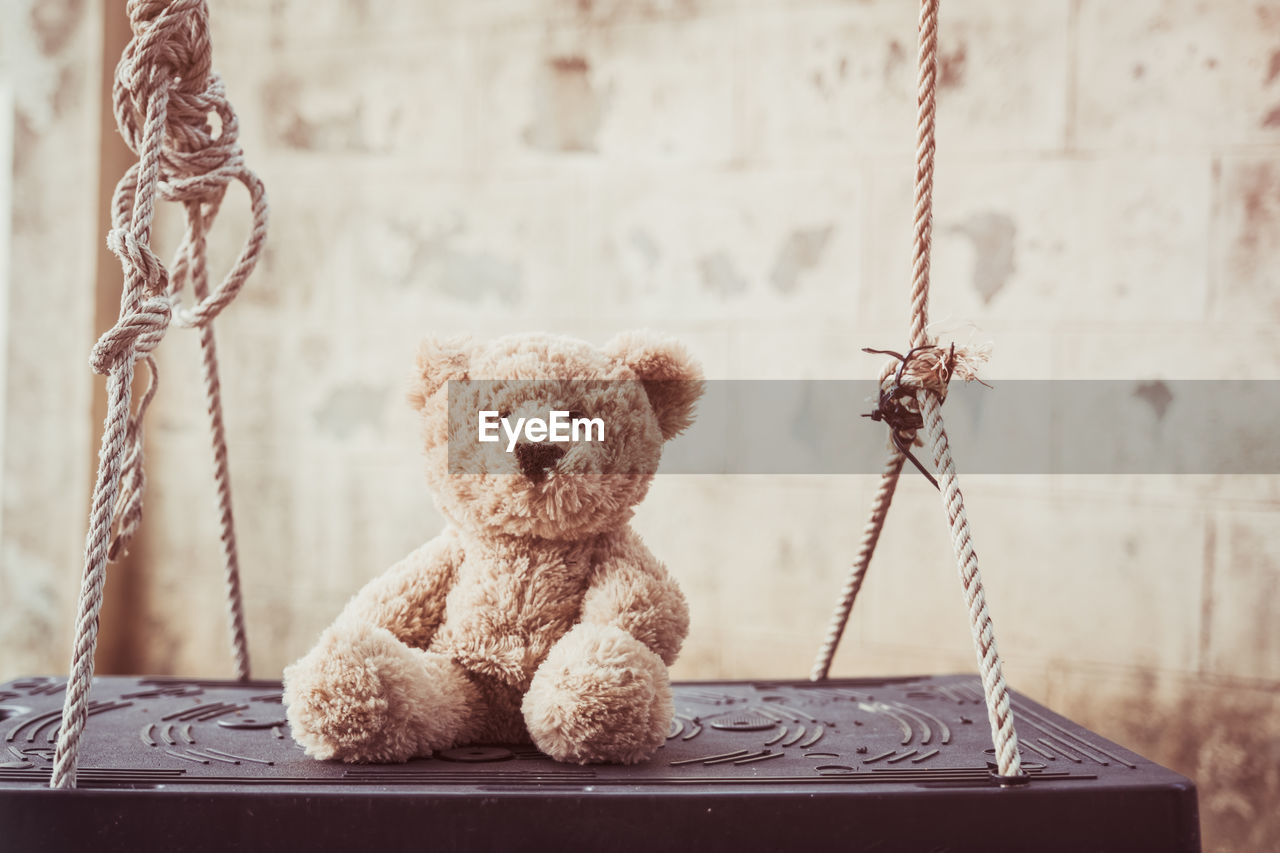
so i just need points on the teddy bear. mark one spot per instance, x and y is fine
(537, 614)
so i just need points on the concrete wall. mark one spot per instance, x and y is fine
(736, 172)
(49, 83)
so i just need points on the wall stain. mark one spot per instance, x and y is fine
(1258, 198)
(606, 12)
(894, 59)
(1250, 578)
(27, 583)
(992, 236)
(338, 130)
(54, 22)
(720, 275)
(25, 140)
(279, 96)
(1226, 739)
(952, 66)
(1273, 67)
(462, 274)
(352, 406)
(642, 241)
(570, 65)
(803, 429)
(1272, 119)
(66, 92)
(278, 30)
(567, 110)
(800, 253)
(360, 10)
(1155, 394)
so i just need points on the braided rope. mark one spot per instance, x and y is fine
(931, 383)
(926, 148)
(853, 581)
(999, 713)
(193, 265)
(165, 96)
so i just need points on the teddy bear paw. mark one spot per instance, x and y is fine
(361, 695)
(600, 696)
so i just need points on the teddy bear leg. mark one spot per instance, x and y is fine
(600, 696)
(361, 695)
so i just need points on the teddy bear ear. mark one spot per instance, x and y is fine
(439, 360)
(672, 379)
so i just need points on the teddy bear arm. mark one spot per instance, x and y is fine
(409, 598)
(640, 598)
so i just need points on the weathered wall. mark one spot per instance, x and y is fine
(49, 64)
(736, 172)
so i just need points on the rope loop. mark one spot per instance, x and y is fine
(200, 159)
(203, 195)
(168, 63)
(134, 335)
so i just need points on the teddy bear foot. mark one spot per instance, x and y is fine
(361, 695)
(600, 696)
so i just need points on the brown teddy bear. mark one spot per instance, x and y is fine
(537, 614)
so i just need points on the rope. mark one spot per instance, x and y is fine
(191, 264)
(853, 583)
(926, 147)
(923, 373)
(173, 113)
(994, 689)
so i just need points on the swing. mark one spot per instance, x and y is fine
(179, 763)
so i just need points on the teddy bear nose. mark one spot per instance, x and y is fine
(536, 459)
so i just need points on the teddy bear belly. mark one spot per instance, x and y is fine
(510, 658)
(502, 616)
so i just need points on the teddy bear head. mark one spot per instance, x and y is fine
(495, 415)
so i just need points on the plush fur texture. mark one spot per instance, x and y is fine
(538, 614)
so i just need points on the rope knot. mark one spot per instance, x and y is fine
(134, 335)
(171, 36)
(199, 159)
(173, 111)
(931, 367)
(928, 368)
(169, 56)
(138, 256)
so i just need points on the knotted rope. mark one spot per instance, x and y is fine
(173, 113)
(913, 387)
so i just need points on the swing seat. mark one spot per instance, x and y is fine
(877, 764)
